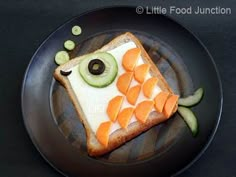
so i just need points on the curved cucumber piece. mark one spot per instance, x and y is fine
(192, 99)
(106, 77)
(61, 57)
(189, 118)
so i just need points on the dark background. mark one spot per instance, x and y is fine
(25, 24)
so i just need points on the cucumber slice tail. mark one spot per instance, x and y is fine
(192, 99)
(189, 118)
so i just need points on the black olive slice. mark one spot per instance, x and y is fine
(96, 67)
(65, 73)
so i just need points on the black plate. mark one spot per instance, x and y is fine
(165, 149)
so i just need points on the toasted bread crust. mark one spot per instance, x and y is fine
(120, 136)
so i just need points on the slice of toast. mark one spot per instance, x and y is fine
(120, 136)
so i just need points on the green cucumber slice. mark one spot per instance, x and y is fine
(189, 118)
(106, 77)
(69, 45)
(192, 99)
(61, 57)
(76, 30)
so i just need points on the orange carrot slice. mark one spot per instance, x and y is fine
(170, 105)
(124, 117)
(102, 133)
(113, 107)
(148, 86)
(130, 58)
(160, 101)
(133, 93)
(124, 81)
(143, 110)
(140, 72)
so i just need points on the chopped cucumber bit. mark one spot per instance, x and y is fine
(189, 118)
(76, 30)
(69, 45)
(62, 57)
(192, 99)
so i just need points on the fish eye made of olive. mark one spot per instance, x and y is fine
(96, 67)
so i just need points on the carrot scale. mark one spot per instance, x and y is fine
(130, 58)
(102, 133)
(124, 117)
(143, 110)
(124, 81)
(140, 72)
(160, 101)
(133, 93)
(149, 85)
(170, 105)
(114, 106)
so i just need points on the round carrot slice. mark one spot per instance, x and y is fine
(170, 105)
(160, 101)
(143, 110)
(140, 72)
(113, 107)
(102, 133)
(124, 117)
(130, 58)
(133, 93)
(124, 81)
(148, 86)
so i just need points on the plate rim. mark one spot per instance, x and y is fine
(219, 112)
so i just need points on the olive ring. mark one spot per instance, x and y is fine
(96, 66)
